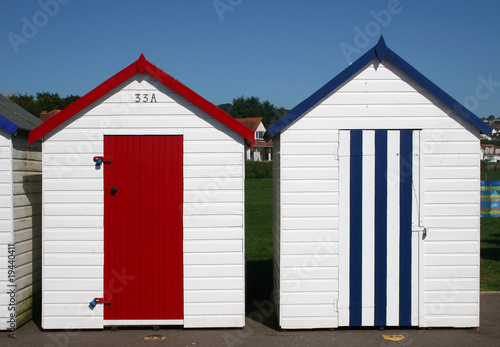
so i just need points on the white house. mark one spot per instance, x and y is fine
(490, 153)
(262, 150)
(377, 202)
(143, 207)
(20, 216)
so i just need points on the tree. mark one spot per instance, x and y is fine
(226, 107)
(25, 101)
(252, 107)
(246, 107)
(44, 101)
(491, 117)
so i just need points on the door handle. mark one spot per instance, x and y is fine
(112, 191)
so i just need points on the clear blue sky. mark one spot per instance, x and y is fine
(278, 50)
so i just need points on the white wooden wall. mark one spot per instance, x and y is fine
(276, 222)
(20, 199)
(379, 97)
(27, 204)
(5, 223)
(213, 207)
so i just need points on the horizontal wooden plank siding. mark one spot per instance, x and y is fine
(20, 216)
(277, 165)
(213, 206)
(27, 203)
(379, 97)
(5, 224)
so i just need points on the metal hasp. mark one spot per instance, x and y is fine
(98, 160)
(96, 301)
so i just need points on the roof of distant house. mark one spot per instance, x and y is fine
(251, 123)
(47, 115)
(262, 143)
(495, 126)
(14, 117)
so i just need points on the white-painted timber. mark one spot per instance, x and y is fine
(307, 191)
(20, 225)
(213, 209)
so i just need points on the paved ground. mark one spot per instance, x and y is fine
(255, 334)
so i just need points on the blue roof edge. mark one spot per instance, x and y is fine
(7, 125)
(380, 51)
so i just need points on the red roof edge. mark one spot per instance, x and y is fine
(141, 66)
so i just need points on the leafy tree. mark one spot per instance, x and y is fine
(491, 117)
(246, 107)
(226, 107)
(44, 101)
(252, 107)
(25, 101)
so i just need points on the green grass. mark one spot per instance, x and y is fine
(490, 176)
(493, 172)
(490, 253)
(259, 219)
(259, 240)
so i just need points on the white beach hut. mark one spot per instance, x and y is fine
(143, 207)
(20, 216)
(376, 202)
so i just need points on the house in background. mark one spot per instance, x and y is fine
(495, 134)
(47, 115)
(20, 215)
(262, 150)
(490, 153)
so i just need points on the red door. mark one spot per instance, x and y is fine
(143, 191)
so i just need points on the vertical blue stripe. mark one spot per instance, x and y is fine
(380, 228)
(405, 205)
(355, 222)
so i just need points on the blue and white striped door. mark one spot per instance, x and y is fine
(378, 206)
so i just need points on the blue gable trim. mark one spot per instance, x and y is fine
(7, 125)
(380, 51)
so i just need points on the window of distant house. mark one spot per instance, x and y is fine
(259, 134)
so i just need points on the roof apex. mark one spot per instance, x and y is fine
(379, 51)
(142, 66)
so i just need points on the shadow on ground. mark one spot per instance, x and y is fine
(259, 288)
(490, 253)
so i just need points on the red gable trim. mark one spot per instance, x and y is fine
(141, 66)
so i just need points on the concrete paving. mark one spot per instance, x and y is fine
(267, 334)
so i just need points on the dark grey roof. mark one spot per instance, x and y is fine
(18, 115)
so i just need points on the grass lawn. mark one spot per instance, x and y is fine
(490, 253)
(490, 176)
(259, 240)
(259, 219)
(490, 171)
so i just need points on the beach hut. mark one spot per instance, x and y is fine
(376, 202)
(143, 207)
(20, 216)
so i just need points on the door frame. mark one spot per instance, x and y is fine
(145, 132)
(417, 227)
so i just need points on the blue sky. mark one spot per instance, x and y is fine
(278, 50)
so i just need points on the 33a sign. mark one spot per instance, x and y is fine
(145, 97)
